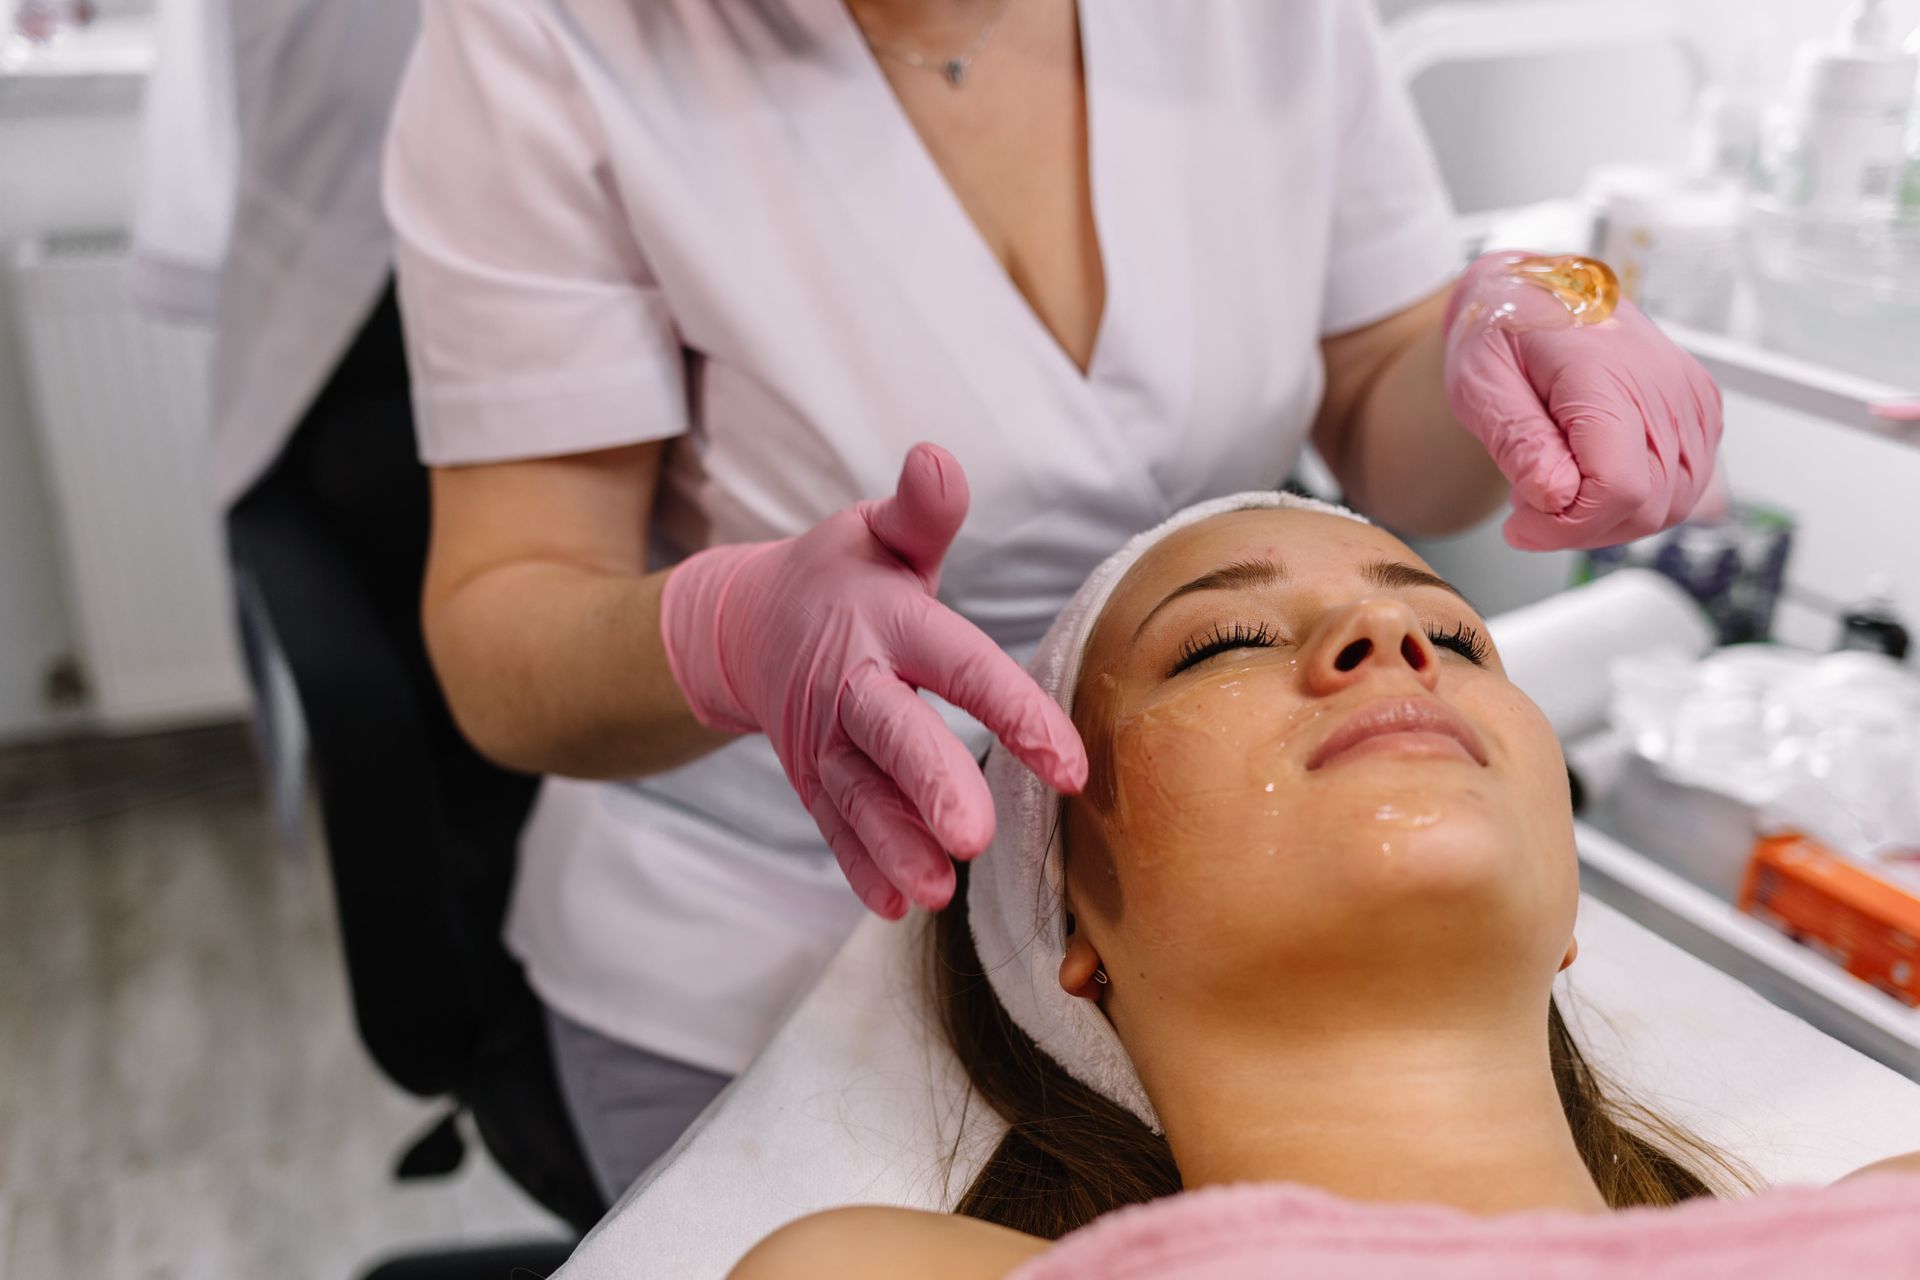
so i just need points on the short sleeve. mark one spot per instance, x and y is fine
(534, 327)
(1394, 239)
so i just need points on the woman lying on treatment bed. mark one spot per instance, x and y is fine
(1319, 884)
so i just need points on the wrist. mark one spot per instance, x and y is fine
(694, 620)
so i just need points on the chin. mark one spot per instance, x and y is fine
(1432, 867)
(1422, 829)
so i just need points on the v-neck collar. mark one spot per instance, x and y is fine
(922, 173)
(825, 83)
(830, 86)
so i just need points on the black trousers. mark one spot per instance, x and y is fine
(421, 832)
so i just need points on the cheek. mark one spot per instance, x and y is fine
(1525, 814)
(1201, 797)
(1547, 801)
(1531, 754)
(1211, 829)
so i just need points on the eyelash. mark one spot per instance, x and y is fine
(1463, 640)
(1240, 636)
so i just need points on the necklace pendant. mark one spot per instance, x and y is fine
(955, 70)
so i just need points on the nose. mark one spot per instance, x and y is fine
(1369, 640)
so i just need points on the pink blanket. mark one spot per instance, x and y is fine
(1865, 1228)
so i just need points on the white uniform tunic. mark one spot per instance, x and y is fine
(313, 83)
(710, 221)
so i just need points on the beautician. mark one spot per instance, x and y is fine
(685, 280)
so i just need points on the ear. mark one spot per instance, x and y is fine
(1573, 950)
(1078, 968)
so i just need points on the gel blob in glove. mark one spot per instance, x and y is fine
(821, 642)
(1606, 429)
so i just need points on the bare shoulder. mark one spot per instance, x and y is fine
(1908, 1163)
(875, 1241)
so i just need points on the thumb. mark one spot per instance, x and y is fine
(1496, 401)
(919, 521)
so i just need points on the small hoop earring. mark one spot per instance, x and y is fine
(1100, 975)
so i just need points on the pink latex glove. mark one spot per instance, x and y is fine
(820, 642)
(1607, 431)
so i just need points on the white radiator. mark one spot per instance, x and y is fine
(121, 406)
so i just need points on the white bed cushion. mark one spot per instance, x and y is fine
(857, 1100)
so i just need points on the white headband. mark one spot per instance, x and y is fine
(1016, 887)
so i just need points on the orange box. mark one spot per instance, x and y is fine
(1868, 926)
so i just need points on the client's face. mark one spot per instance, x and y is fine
(1310, 772)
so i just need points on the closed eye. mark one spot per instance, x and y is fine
(1239, 635)
(1462, 639)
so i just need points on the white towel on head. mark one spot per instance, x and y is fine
(1016, 887)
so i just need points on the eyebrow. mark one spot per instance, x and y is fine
(1243, 575)
(1393, 575)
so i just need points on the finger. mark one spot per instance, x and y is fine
(1593, 519)
(1700, 432)
(1625, 489)
(1492, 398)
(919, 521)
(1684, 491)
(888, 829)
(869, 884)
(951, 657)
(1672, 430)
(911, 744)
(1529, 530)
(1651, 382)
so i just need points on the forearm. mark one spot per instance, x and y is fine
(1407, 460)
(553, 667)
(1387, 433)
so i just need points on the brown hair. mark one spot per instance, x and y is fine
(1070, 1154)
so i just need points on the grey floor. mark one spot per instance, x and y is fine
(181, 1092)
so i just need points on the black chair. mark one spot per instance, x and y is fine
(420, 831)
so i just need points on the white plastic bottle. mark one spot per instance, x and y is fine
(1728, 129)
(1839, 150)
(1910, 182)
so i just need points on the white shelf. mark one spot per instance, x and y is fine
(1737, 361)
(1799, 980)
(1792, 383)
(120, 46)
(100, 70)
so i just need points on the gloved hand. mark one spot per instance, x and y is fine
(820, 642)
(1607, 431)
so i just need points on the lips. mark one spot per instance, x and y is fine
(1409, 719)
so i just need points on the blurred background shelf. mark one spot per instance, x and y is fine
(1831, 395)
(1798, 979)
(115, 45)
(101, 70)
